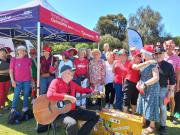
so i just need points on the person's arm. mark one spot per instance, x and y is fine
(177, 72)
(103, 72)
(142, 65)
(113, 68)
(80, 89)
(11, 72)
(171, 77)
(154, 79)
(177, 80)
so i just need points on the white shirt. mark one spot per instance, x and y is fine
(109, 74)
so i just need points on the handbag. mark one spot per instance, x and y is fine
(52, 69)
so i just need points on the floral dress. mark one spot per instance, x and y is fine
(96, 71)
(148, 103)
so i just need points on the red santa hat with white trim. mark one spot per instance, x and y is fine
(148, 49)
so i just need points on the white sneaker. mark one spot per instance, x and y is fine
(107, 106)
(111, 106)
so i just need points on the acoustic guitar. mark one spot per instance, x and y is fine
(46, 111)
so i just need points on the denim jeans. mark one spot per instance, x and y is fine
(163, 109)
(21, 86)
(118, 95)
(69, 121)
(44, 84)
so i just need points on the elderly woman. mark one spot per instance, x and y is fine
(96, 71)
(20, 73)
(148, 100)
(109, 89)
(4, 77)
(82, 73)
(82, 66)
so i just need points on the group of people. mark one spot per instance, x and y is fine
(143, 81)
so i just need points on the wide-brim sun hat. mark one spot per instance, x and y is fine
(72, 49)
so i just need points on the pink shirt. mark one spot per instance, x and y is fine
(21, 68)
(174, 60)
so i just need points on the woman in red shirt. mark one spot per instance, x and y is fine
(130, 91)
(81, 65)
(119, 71)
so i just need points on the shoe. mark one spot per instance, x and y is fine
(148, 131)
(173, 120)
(111, 106)
(177, 115)
(163, 130)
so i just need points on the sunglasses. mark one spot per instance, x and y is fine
(158, 53)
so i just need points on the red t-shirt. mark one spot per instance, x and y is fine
(119, 72)
(58, 89)
(132, 75)
(81, 66)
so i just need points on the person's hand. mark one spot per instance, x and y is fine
(14, 84)
(102, 82)
(177, 88)
(32, 83)
(70, 98)
(140, 87)
(95, 92)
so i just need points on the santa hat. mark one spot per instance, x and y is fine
(148, 49)
(47, 48)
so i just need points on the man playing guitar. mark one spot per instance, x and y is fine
(64, 88)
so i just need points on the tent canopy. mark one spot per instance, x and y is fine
(21, 23)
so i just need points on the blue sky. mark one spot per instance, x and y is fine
(87, 12)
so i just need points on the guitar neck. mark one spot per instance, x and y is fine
(84, 96)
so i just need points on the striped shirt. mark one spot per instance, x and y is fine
(174, 60)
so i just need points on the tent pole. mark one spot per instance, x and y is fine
(38, 55)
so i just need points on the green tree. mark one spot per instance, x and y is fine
(115, 25)
(177, 40)
(148, 23)
(59, 47)
(82, 45)
(114, 43)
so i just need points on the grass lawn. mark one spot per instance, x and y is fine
(28, 127)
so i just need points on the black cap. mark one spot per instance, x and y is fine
(66, 67)
(159, 49)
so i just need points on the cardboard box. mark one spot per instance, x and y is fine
(114, 122)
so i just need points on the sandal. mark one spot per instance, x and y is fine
(148, 131)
